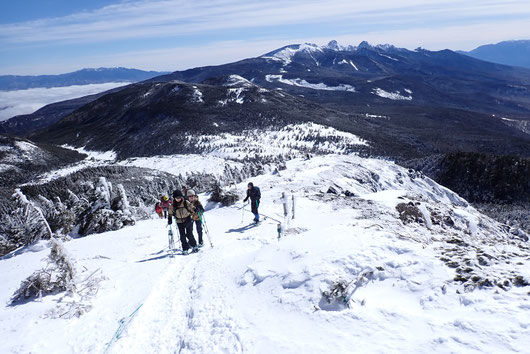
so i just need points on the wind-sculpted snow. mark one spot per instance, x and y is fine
(377, 255)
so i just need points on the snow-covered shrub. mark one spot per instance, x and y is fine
(226, 198)
(336, 297)
(59, 215)
(110, 211)
(27, 223)
(340, 292)
(121, 202)
(57, 276)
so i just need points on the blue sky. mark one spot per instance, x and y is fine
(56, 36)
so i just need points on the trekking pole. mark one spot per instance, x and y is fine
(243, 212)
(207, 232)
(171, 239)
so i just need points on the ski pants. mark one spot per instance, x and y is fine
(186, 234)
(165, 212)
(254, 205)
(198, 225)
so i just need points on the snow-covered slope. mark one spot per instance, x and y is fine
(420, 271)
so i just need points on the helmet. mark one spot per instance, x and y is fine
(165, 198)
(190, 193)
(177, 194)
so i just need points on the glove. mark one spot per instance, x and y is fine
(245, 200)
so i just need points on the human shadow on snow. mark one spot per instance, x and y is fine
(168, 255)
(242, 229)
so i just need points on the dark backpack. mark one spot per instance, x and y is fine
(257, 192)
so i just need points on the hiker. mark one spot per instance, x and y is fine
(165, 204)
(255, 195)
(185, 192)
(197, 215)
(158, 210)
(182, 210)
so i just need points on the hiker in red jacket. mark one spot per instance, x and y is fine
(159, 210)
(165, 203)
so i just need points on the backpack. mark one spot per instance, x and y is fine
(257, 192)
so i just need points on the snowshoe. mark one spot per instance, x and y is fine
(185, 252)
(195, 249)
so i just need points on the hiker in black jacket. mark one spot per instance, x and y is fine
(182, 210)
(254, 194)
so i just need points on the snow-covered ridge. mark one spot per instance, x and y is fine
(304, 83)
(236, 80)
(291, 140)
(396, 96)
(286, 54)
(21, 152)
(94, 159)
(349, 268)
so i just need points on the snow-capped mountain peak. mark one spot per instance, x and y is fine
(236, 80)
(287, 53)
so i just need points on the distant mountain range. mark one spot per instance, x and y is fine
(514, 53)
(80, 77)
(407, 104)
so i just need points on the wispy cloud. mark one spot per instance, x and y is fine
(147, 19)
(176, 34)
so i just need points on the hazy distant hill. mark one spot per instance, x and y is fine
(514, 53)
(80, 77)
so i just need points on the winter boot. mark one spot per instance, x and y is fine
(195, 249)
(185, 252)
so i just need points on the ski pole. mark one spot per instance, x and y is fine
(171, 239)
(206, 231)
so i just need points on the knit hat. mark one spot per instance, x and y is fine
(191, 192)
(177, 194)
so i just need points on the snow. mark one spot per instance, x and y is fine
(350, 62)
(234, 95)
(236, 80)
(197, 95)
(304, 83)
(4, 167)
(286, 54)
(18, 102)
(255, 293)
(293, 139)
(396, 96)
(93, 159)
(389, 57)
(368, 115)
(26, 147)
(21, 152)
(183, 164)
